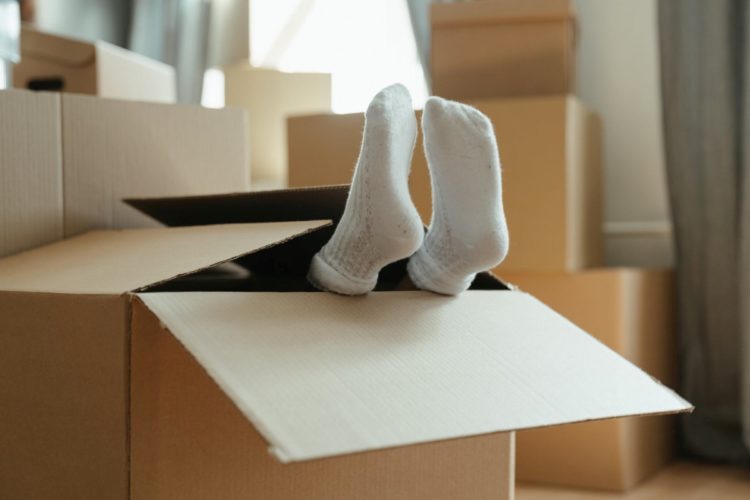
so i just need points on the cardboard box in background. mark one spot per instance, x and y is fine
(633, 312)
(551, 161)
(504, 48)
(67, 161)
(140, 390)
(269, 96)
(60, 63)
(116, 149)
(31, 192)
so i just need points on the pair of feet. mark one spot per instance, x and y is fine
(380, 225)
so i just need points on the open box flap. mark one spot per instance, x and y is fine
(299, 204)
(102, 262)
(322, 375)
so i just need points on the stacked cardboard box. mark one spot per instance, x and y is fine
(269, 96)
(515, 48)
(67, 160)
(515, 61)
(502, 48)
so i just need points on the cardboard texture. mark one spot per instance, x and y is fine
(505, 48)
(68, 160)
(116, 149)
(60, 63)
(269, 96)
(178, 399)
(552, 194)
(632, 312)
(31, 205)
(401, 385)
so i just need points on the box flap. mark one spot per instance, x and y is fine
(60, 49)
(119, 261)
(447, 15)
(322, 375)
(300, 204)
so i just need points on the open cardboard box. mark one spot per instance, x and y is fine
(195, 362)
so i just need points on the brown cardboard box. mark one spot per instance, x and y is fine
(66, 161)
(632, 312)
(31, 193)
(127, 373)
(115, 149)
(269, 96)
(551, 160)
(60, 63)
(502, 48)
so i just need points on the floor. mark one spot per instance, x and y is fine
(683, 481)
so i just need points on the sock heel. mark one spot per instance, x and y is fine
(427, 274)
(325, 277)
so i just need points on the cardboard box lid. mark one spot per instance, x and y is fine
(115, 262)
(69, 51)
(451, 15)
(296, 204)
(321, 375)
(61, 49)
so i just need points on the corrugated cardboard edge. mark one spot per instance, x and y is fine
(133, 201)
(232, 258)
(161, 209)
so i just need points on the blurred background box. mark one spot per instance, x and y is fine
(551, 160)
(635, 316)
(269, 96)
(31, 205)
(114, 149)
(59, 63)
(502, 48)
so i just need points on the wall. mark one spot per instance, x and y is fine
(618, 76)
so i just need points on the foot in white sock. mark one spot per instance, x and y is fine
(380, 224)
(468, 232)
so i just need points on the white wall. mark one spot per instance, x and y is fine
(618, 77)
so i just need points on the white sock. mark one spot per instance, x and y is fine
(468, 232)
(380, 224)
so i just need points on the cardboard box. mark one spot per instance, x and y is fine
(551, 161)
(31, 193)
(269, 96)
(60, 63)
(115, 149)
(126, 374)
(633, 312)
(66, 161)
(505, 48)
